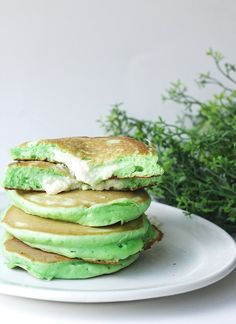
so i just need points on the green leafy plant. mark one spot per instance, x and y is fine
(199, 160)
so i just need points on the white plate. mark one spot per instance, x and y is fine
(193, 253)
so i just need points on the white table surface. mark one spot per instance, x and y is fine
(213, 304)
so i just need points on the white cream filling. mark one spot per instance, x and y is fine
(111, 183)
(83, 175)
(82, 170)
(53, 186)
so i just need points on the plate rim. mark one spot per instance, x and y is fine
(131, 294)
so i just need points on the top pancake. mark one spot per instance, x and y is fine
(97, 149)
(91, 146)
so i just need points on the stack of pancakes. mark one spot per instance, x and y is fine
(78, 205)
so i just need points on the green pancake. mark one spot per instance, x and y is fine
(44, 265)
(112, 242)
(92, 160)
(91, 208)
(55, 178)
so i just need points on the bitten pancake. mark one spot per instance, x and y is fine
(91, 208)
(92, 160)
(112, 242)
(46, 265)
(55, 178)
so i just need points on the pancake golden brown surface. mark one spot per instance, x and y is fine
(17, 218)
(16, 246)
(82, 198)
(99, 149)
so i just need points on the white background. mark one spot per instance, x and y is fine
(63, 63)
